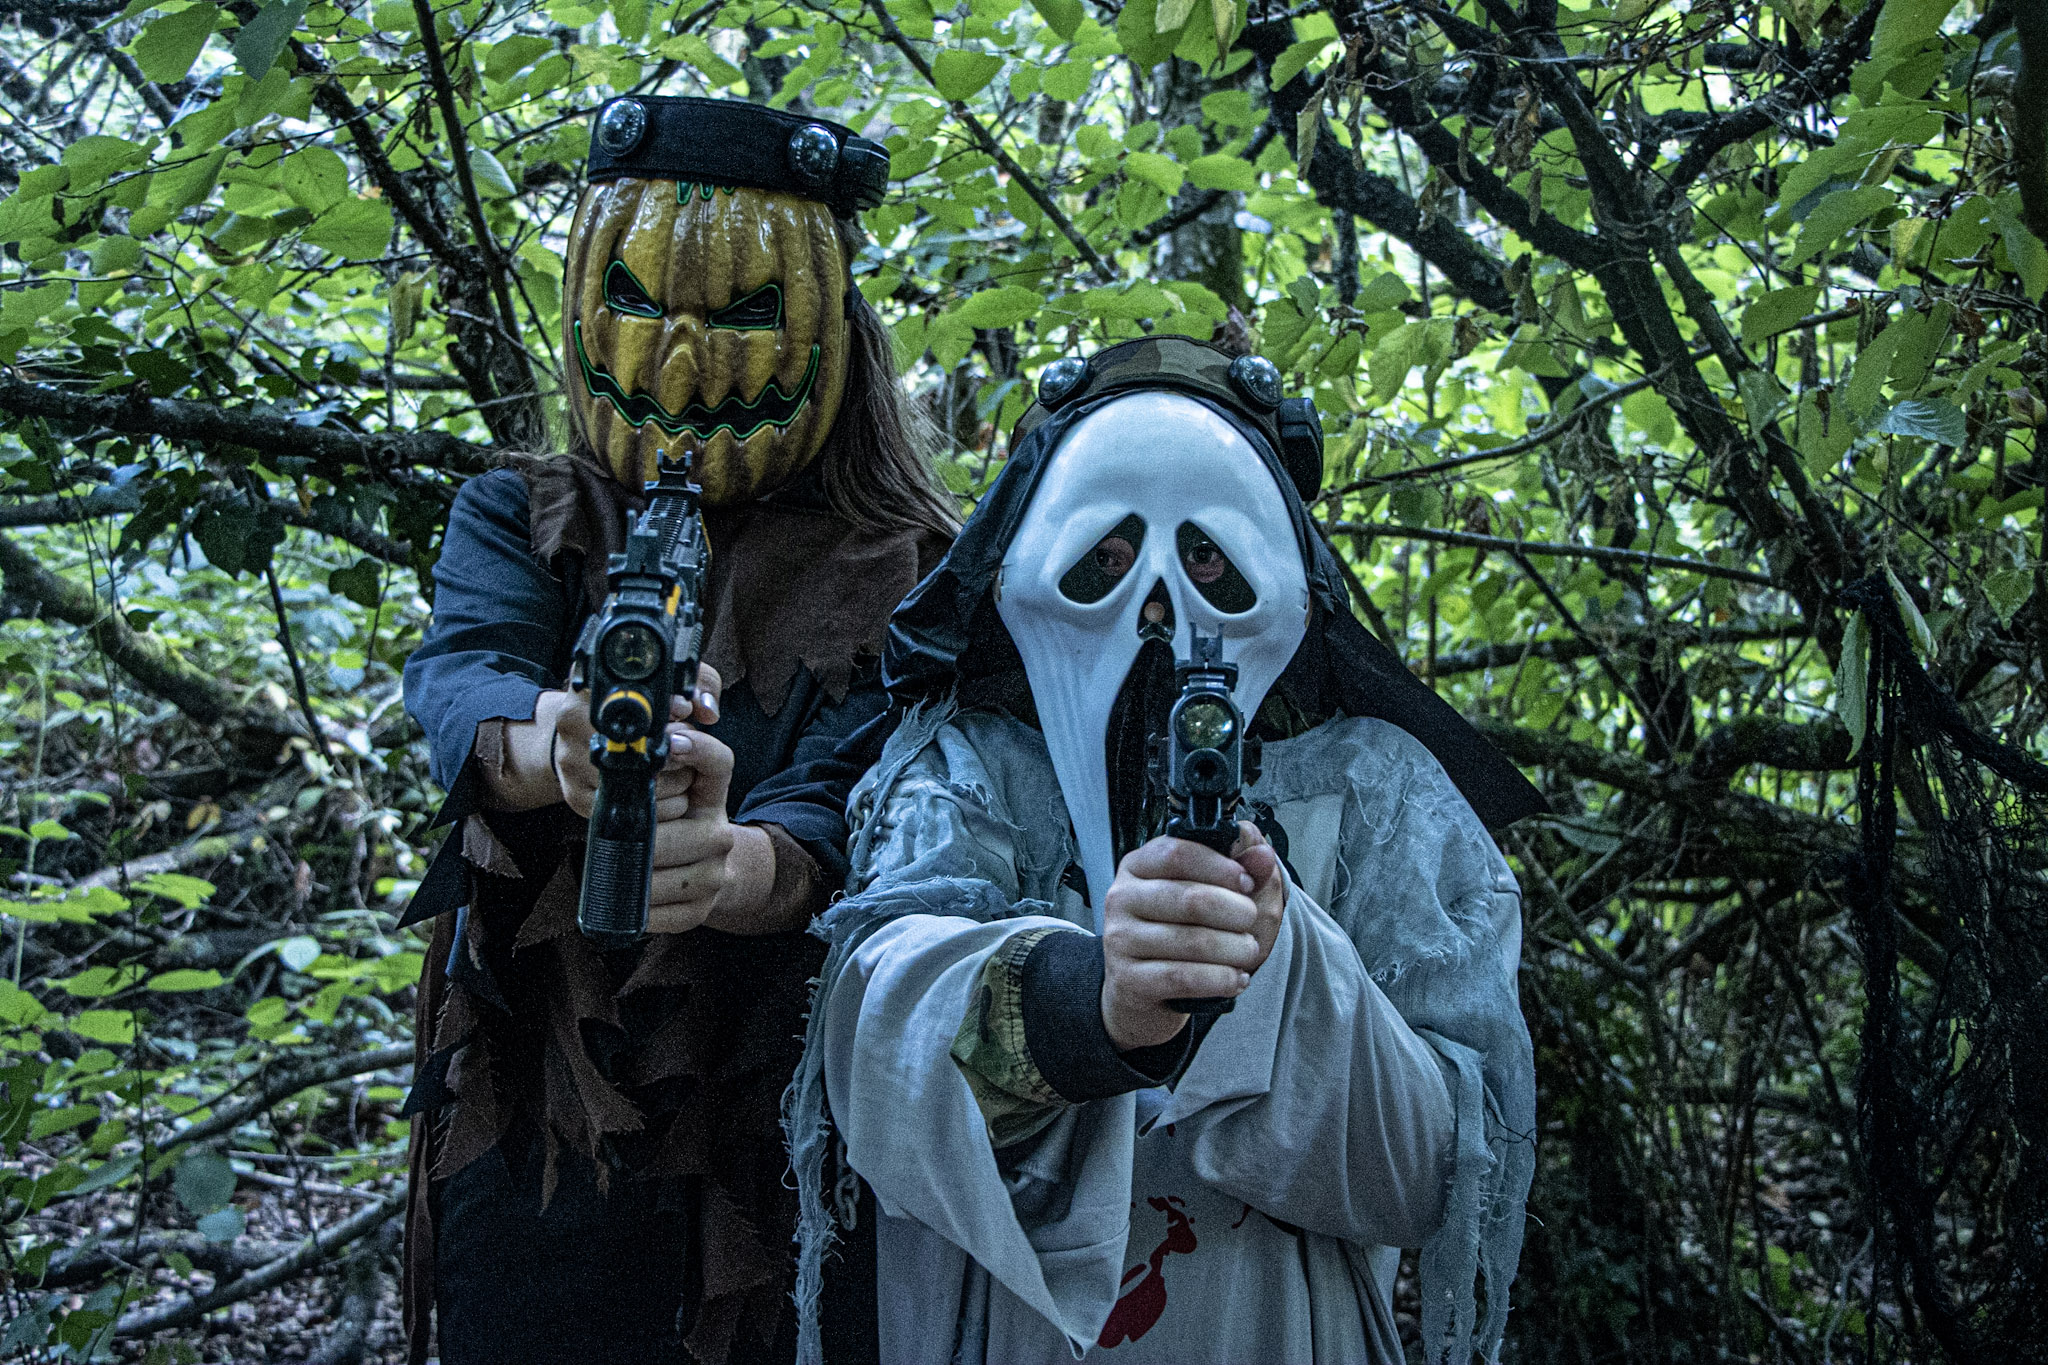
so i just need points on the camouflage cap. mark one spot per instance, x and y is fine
(1247, 385)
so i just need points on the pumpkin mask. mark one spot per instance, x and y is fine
(706, 291)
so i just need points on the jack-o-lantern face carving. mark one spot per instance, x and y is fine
(705, 321)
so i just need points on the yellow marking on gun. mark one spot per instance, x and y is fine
(675, 598)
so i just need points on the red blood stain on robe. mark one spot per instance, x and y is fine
(1142, 1303)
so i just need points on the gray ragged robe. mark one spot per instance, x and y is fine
(1373, 1089)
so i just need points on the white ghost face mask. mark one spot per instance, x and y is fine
(1151, 490)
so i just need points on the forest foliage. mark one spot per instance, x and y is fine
(1683, 371)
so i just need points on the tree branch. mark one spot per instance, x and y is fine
(336, 451)
(1822, 78)
(146, 659)
(1605, 554)
(312, 1252)
(80, 12)
(987, 142)
(2030, 115)
(1565, 651)
(1342, 184)
(284, 1086)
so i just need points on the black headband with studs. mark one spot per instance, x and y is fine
(733, 142)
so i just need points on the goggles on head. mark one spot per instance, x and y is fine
(1248, 385)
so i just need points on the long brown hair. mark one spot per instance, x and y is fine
(876, 463)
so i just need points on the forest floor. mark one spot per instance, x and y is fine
(291, 1323)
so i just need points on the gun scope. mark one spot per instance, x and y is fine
(632, 651)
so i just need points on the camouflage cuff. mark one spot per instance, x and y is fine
(1015, 1099)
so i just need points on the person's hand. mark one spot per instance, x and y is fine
(1182, 921)
(566, 716)
(702, 861)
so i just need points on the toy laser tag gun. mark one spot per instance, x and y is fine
(1202, 764)
(633, 656)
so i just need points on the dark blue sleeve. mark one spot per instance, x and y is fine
(808, 797)
(495, 637)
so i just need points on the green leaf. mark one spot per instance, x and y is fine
(1852, 680)
(1916, 624)
(512, 55)
(1865, 386)
(95, 982)
(2007, 591)
(49, 1121)
(1132, 303)
(1005, 307)
(108, 1173)
(261, 40)
(1061, 16)
(1137, 33)
(115, 255)
(358, 582)
(105, 1026)
(1292, 61)
(49, 831)
(695, 49)
(170, 43)
(1068, 81)
(94, 158)
(358, 229)
(1777, 311)
(1161, 172)
(1835, 215)
(1763, 398)
(960, 74)
(204, 1182)
(1929, 419)
(2028, 256)
(21, 1009)
(1308, 126)
(1220, 172)
(187, 979)
(315, 178)
(489, 174)
(1384, 291)
(1904, 24)
(189, 892)
(1170, 16)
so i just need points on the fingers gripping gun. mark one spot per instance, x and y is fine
(635, 654)
(1202, 764)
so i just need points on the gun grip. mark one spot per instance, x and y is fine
(1222, 840)
(618, 862)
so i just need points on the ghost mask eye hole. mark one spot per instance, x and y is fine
(624, 294)
(1211, 571)
(759, 311)
(1097, 572)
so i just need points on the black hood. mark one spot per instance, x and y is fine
(936, 626)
